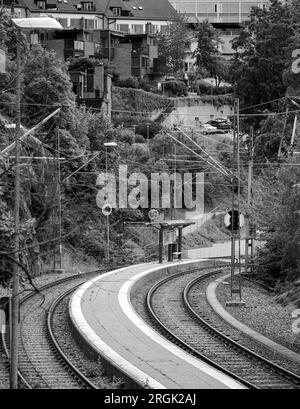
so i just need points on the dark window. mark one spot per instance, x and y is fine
(90, 83)
(124, 27)
(136, 61)
(144, 62)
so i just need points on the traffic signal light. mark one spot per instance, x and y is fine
(234, 219)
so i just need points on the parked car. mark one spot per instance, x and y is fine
(208, 129)
(220, 123)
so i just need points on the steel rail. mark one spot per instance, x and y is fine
(156, 320)
(278, 369)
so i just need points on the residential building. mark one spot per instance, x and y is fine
(132, 16)
(223, 11)
(225, 15)
(135, 55)
(72, 14)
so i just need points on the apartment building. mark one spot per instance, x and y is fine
(224, 11)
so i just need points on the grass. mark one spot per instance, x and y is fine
(212, 231)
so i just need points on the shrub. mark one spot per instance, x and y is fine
(175, 88)
(129, 82)
(204, 88)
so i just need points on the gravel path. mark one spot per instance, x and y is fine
(262, 313)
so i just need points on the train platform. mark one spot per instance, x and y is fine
(107, 326)
(220, 310)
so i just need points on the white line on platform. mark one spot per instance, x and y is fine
(124, 300)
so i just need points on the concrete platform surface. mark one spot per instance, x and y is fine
(103, 315)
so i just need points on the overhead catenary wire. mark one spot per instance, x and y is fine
(222, 168)
(195, 153)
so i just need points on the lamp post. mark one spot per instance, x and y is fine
(147, 126)
(108, 145)
(44, 23)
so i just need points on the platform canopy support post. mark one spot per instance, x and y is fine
(180, 243)
(160, 245)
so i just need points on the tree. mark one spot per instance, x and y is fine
(275, 213)
(174, 43)
(207, 54)
(46, 85)
(261, 55)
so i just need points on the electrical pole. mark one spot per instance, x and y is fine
(249, 241)
(239, 193)
(232, 206)
(59, 199)
(15, 281)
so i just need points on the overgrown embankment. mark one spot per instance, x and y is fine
(138, 101)
(141, 102)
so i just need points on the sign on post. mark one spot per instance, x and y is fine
(169, 237)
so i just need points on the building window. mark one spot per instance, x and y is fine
(89, 24)
(135, 61)
(41, 4)
(90, 83)
(138, 29)
(75, 23)
(87, 6)
(116, 11)
(123, 27)
(164, 29)
(144, 62)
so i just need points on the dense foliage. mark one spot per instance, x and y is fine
(174, 43)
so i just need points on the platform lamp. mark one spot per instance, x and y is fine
(21, 24)
(108, 145)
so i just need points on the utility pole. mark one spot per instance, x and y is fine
(15, 279)
(232, 207)
(239, 193)
(32, 23)
(248, 225)
(59, 198)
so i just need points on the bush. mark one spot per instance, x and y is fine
(146, 85)
(204, 88)
(129, 82)
(176, 88)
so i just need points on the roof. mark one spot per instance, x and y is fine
(170, 223)
(45, 23)
(69, 6)
(148, 8)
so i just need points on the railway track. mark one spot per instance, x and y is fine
(42, 363)
(172, 313)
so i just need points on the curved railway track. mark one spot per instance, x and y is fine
(172, 312)
(42, 363)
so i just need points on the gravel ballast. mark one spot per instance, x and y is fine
(262, 313)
